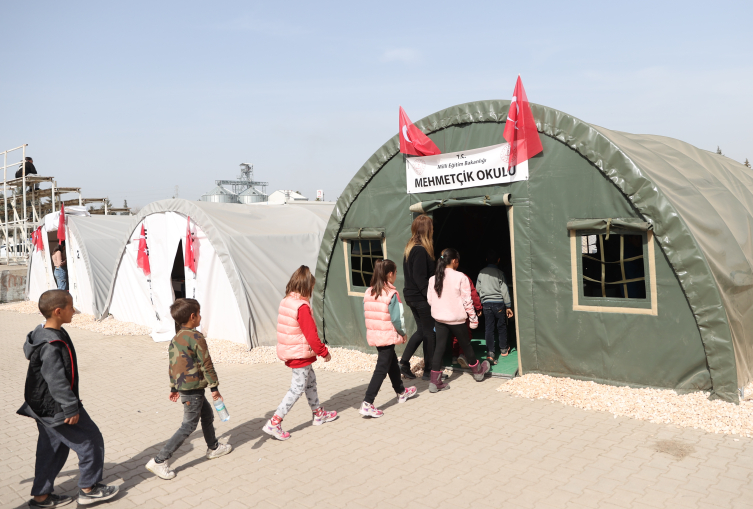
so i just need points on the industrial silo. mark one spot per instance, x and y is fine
(220, 195)
(252, 195)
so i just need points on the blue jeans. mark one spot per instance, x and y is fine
(61, 276)
(495, 314)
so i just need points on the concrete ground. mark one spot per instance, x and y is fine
(470, 444)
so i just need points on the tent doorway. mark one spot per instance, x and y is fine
(178, 274)
(472, 231)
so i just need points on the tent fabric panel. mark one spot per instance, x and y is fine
(714, 197)
(220, 314)
(635, 349)
(79, 282)
(100, 239)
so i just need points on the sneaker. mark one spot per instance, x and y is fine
(369, 410)
(222, 449)
(454, 360)
(321, 416)
(52, 500)
(99, 493)
(275, 429)
(161, 470)
(408, 393)
(463, 361)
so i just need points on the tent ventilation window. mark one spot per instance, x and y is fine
(363, 256)
(613, 266)
(362, 247)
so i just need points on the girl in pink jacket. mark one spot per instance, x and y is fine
(385, 328)
(298, 345)
(449, 296)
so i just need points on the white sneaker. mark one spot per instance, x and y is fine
(161, 470)
(275, 430)
(408, 393)
(369, 410)
(222, 449)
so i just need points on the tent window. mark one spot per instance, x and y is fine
(614, 272)
(613, 266)
(363, 256)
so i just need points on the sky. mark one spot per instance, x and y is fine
(130, 99)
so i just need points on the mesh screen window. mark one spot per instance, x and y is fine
(613, 267)
(363, 255)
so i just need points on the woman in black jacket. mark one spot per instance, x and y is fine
(418, 267)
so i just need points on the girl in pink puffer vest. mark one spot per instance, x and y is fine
(385, 328)
(298, 345)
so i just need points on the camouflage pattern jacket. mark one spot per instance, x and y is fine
(191, 366)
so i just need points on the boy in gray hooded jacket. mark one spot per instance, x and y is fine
(51, 398)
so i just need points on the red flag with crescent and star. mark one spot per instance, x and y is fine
(190, 258)
(412, 140)
(37, 240)
(61, 224)
(520, 129)
(142, 259)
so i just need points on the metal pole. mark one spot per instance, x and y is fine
(52, 200)
(79, 198)
(105, 202)
(5, 204)
(23, 176)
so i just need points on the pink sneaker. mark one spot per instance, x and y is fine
(321, 416)
(407, 394)
(369, 410)
(274, 428)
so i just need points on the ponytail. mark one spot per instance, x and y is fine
(448, 255)
(379, 278)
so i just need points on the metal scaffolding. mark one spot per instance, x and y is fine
(24, 204)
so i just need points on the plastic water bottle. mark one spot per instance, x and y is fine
(222, 412)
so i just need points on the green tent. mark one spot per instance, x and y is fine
(629, 256)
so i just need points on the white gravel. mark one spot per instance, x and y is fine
(660, 406)
(107, 327)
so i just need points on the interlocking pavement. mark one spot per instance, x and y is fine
(469, 445)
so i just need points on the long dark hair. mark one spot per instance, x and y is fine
(448, 255)
(379, 278)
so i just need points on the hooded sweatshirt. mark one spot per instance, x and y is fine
(456, 304)
(51, 391)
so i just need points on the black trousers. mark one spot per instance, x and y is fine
(424, 332)
(445, 332)
(53, 446)
(386, 365)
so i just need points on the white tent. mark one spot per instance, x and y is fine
(245, 255)
(92, 247)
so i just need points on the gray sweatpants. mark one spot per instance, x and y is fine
(304, 379)
(53, 446)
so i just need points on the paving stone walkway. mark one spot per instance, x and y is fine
(470, 444)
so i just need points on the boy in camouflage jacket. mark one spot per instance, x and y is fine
(191, 371)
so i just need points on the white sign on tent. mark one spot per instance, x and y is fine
(457, 170)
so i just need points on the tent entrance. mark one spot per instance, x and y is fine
(178, 274)
(472, 231)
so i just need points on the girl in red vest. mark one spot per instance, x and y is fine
(385, 328)
(298, 345)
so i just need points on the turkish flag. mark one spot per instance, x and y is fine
(142, 259)
(520, 129)
(190, 259)
(412, 140)
(37, 240)
(61, 224)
